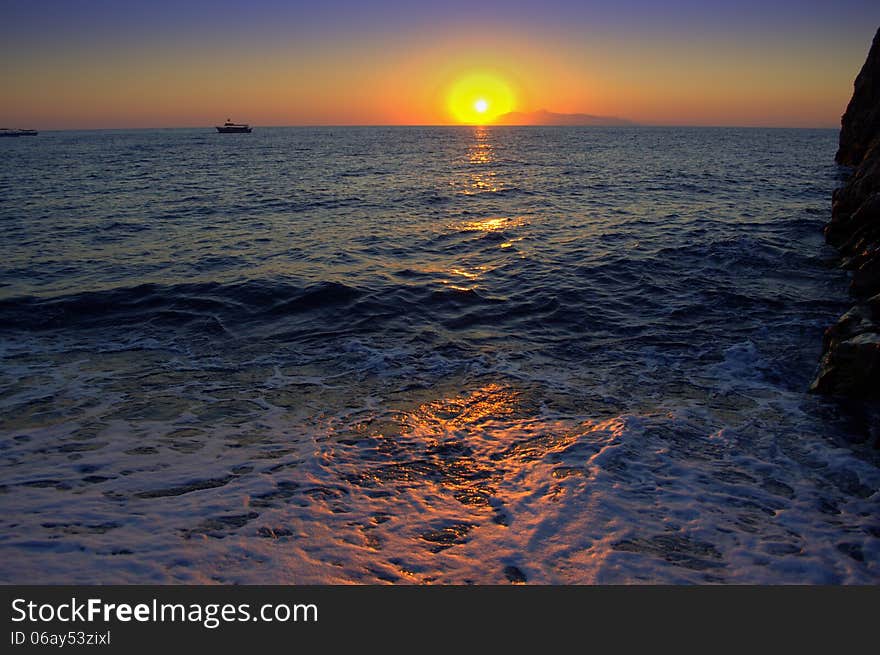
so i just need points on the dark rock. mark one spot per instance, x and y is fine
(861, 122)
(850, 364)
(515, 575)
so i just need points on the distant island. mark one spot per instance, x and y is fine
(544, 117)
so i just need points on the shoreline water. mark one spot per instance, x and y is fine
(449, 357)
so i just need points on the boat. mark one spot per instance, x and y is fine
(233, 128)
(5, 131)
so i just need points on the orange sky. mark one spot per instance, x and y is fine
(406, 78)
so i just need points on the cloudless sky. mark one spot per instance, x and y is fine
(103, 63)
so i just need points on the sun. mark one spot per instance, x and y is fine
(479, 98)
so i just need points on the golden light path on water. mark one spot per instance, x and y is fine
(480, 176)
(430, 485)
(483, 178)
(434, 483)
(432, 489)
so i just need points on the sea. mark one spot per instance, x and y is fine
(439, 355)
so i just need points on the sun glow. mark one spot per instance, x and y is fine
(479, 98)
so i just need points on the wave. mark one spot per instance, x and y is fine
(176, 305)
(264, 306)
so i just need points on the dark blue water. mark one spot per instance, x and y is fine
(425, 355)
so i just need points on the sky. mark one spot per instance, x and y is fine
(70, 64)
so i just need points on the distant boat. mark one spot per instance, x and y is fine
(233, 128)
(5, 131)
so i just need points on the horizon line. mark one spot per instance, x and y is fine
(445, 125)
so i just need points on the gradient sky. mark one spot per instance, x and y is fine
(117, 63)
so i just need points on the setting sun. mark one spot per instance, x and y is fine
(479, 98)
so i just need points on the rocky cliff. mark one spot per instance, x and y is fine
(851, 360)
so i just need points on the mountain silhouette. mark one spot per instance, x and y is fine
(544, 117)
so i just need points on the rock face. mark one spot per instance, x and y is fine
(861, 122)
(851, 361)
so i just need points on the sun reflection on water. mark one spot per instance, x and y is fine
(463, 279)
(473, 410)
(480, 176)
(494, 224)
(436, 482)
(482, 151)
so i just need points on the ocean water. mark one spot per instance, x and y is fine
(425, 355)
